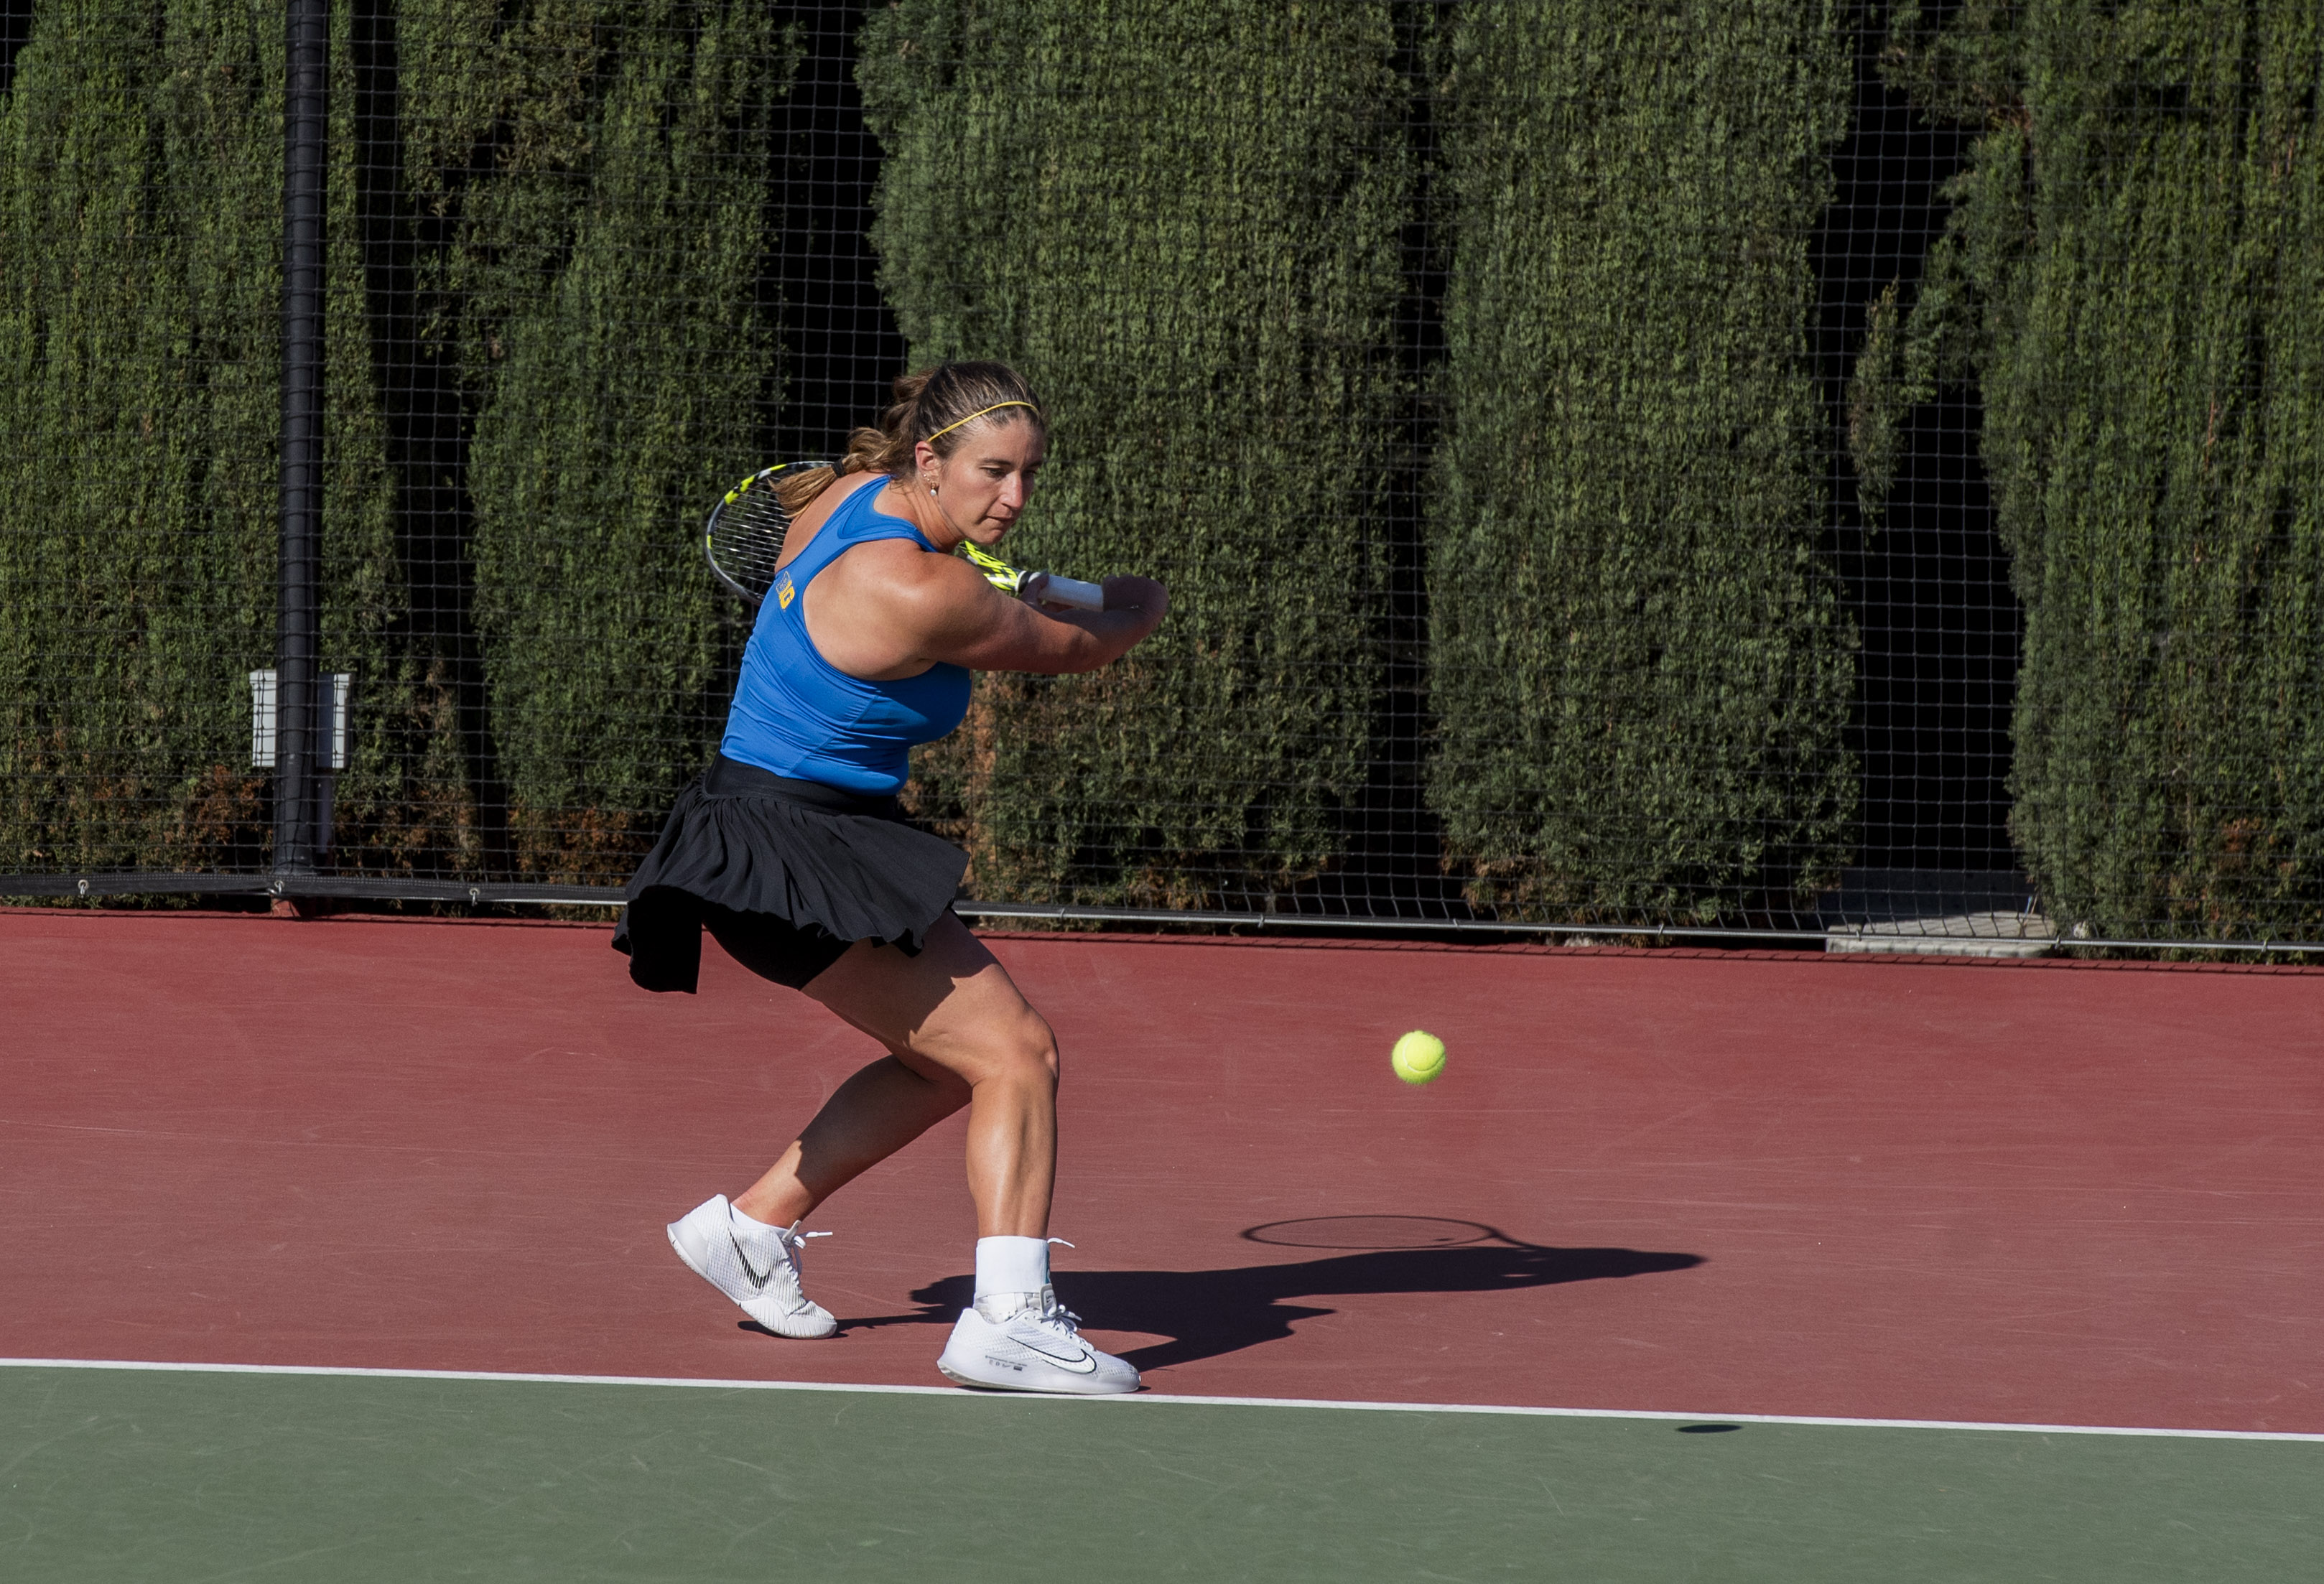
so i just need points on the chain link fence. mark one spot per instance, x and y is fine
(1652, 466)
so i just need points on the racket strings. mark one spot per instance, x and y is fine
(754, 536)
(746, 537)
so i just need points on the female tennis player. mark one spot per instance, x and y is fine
(791, 850)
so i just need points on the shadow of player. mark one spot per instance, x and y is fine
(1209, 1312)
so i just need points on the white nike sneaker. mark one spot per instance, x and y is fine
(755, 1265)
(1029, 1342)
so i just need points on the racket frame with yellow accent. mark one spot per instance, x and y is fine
(742, 539)
(1050, 589)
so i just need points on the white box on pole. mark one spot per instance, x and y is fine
(332, 699)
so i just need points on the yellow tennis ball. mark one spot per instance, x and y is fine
(1419, 1056)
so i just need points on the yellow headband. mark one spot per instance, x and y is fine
(973, 417)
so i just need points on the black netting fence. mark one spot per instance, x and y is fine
(1650, 465)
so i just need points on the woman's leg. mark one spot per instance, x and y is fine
(957, 1032)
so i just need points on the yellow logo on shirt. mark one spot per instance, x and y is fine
(783, 592)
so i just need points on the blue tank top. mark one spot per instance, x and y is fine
(798, 714)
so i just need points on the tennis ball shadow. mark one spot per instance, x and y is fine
(1206, 1313)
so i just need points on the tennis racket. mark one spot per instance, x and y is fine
(743, 539)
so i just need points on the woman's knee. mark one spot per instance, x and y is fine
(1021, 1049)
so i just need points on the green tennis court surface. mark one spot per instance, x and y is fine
(151, 1475)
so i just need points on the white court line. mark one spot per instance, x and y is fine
(927, 1391)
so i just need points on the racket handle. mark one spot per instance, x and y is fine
(1070, 591)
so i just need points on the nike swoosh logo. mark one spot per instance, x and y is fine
(758, 1277)
(1085, 1363)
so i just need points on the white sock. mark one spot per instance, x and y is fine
(748, 1223)
(1011, 1265)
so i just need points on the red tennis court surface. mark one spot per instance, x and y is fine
(1719, 1183)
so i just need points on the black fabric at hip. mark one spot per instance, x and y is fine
(827, 865)
(771, 947)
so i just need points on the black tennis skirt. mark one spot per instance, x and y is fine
(784, 874)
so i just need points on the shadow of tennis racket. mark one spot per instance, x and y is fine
(1209, 1312)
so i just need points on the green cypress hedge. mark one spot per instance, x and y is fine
(620, 356)
(1640, 671)
(1180, 219)
(2133, 275)
(549, 218)
(141, 175)
(1187, 221)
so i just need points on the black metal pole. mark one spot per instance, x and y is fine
(305, 74)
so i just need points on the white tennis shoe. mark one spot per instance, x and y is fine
(1029, 1342)
(755, 1265)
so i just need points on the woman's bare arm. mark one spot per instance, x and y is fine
(889, 610)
